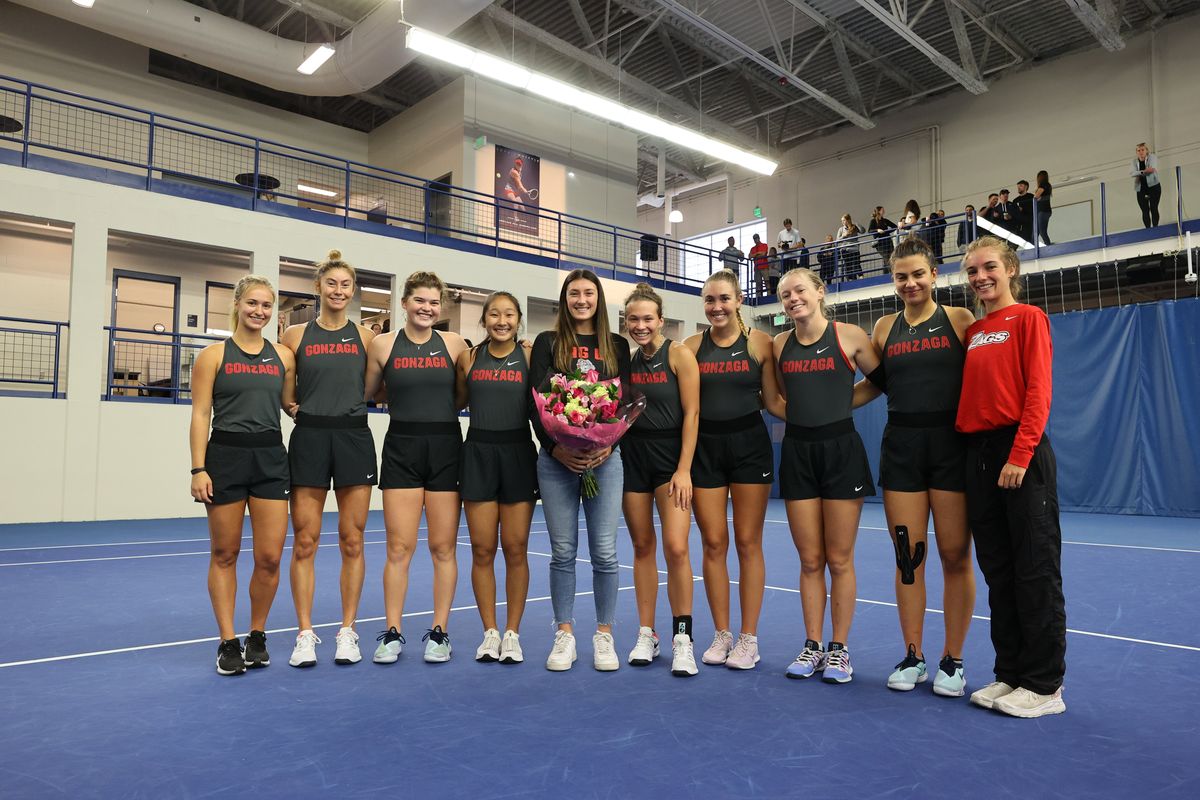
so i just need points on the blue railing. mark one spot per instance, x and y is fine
(152, 366)
(30, 353)
(71, 133)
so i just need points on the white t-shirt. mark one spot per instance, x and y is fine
(791, 237)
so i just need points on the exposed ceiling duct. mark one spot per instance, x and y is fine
(371, 53)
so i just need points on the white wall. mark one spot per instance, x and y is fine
(1079, 115)
(89, 459)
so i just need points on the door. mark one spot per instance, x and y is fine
(145, 316)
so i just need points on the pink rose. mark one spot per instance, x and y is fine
(577, 392)
(577, 417)
(557, 408)
(592, 376)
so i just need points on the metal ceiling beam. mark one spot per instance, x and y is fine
(959, 25)
(774, 34)
(649, 155)
(843, 60)
(582, 21)
(995, 29)
(653, 26)
(1101, 20)
(725, 40)
(614, 73)
(857, 44)
(899, 27)
(319, 12)
(668, 47)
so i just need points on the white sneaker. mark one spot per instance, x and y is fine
(510, 648)
(347, 647)
(646, 648)
(988, 695)
(1027, 704)
(718, 651)
(305, 652)
(604, 652)
(490, 649)
(563, 654)
(683, 659)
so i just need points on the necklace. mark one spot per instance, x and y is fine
(499, 360)
(654, 355)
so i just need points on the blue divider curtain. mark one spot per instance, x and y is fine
(1125, 419)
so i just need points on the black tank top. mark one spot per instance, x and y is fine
(331, 371)
(654, 379)
(499, 391)
(730, 380)
(924, 366)
(248, 390)
(818, 379)
(420, 380)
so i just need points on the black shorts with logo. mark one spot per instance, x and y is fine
(916, 457)
(498, 466)
(421, 455)
(242, 465)
(829, 462)
(733, 451)
(337, 449)
(650, 457)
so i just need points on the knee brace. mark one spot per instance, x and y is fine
(906, 561)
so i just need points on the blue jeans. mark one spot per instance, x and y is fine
(560, 504)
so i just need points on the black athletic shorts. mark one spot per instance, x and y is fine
(342, 452)
(733, 451)
(914, 458)
(421, 455)
(242, 465)
(829, 462)
(649, 458)
(498, 466)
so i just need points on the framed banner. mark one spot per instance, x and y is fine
(518, 183)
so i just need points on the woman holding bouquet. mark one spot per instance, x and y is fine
(657, 456)
(580, 342)
(420, 458)
(733, 459)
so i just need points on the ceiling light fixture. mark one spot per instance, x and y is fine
(314, 61)
(675, 216)
(300, 187)
(507, 72)
(84, 3)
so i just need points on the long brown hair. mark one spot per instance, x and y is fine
(731, 278)
(565, 340)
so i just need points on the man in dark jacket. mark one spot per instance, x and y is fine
(1024, 217)
(966, 229)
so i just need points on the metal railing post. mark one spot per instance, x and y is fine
(150, 152)
(1103, 214)
(1179, 196)
(560, 241)
(176, 383)
(57, 340)
(1037, 236)
(346, 197)
(28, 125)
(254, 185)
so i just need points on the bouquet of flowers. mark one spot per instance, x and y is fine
(584, 413)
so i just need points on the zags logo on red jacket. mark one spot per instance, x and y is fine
(980, 339)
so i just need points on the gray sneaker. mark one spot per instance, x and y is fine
(391, 642)
(437, 645)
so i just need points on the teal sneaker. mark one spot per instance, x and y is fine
(909, 672)
(391, 642)
(437, 645)
(951, 681)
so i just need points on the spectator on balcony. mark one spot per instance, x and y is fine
(827, 258)
(731, 257)
(1042, 194)
(803, 260)
(1006, 212)
(759, 254)
(851, 258)
(788, 236)
(990, 212)
(376, 328)
(910, 223)
(966, 228)
(882, 227)
(774, 263)
(1024, 217)
(1146, 183)
(935, 228)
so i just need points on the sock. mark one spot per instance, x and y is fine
(682, 624)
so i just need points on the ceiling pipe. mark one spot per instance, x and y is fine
(365, 57)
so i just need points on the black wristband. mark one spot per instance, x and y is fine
(198, 470)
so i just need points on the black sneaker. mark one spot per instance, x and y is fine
(229, 657)
(256, 650)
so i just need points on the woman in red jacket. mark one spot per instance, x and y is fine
(1012, 495)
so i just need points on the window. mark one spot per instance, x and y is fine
(698, 265)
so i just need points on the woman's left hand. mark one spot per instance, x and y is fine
(599, 457)
(1011, 476)
(681, 489)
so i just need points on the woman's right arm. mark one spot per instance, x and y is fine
(204, 372)
(541, 363)
(377, 351)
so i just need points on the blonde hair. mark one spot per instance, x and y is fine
(334, 261)
(644, 291)
(422, 280)
(813, 278)
(1008, 257)
(564, 327)
(247, 282)
(731, 278)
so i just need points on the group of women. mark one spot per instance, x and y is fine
(967, 405)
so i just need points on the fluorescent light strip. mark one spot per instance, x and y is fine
(372, 310)
(300, 187)
(514, 75)
(84, 3)
(314, 61)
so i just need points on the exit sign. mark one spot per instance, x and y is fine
(780, 320)
(758, 212)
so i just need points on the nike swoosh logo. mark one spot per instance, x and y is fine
(510, 363)
(765, 474)
(265, 360)
(287, 491)
(656, 366)
(1014, 316)
(372, 475)
(351, 339)
(735, 355)
(858, 488)
(938, 328)
(435, 352)
(822, 350)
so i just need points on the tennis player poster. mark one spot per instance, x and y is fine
(518, 180)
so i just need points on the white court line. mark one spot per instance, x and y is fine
(210, 639)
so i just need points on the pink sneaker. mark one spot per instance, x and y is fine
(718, 651)
(745, 652)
